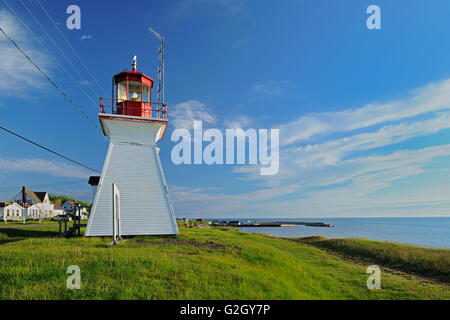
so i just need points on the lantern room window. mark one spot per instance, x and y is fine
(146, 93)
(134, 90)
(122, 91)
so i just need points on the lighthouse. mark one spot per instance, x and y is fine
(134, 124)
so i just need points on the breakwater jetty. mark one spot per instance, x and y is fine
(249, 224)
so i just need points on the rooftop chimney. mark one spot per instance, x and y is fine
(24, 195)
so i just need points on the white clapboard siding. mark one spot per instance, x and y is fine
(145, 207)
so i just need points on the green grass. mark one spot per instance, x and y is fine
(424, 261)
(197, 264)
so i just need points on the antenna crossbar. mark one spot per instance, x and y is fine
(160, 90)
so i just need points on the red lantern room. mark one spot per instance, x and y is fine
(132, 95)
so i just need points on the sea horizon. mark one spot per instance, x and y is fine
(422, 231)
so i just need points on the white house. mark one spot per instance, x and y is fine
(32, 212)
(84, 213)
(11, 211)
(58, 212)
(46, 210)
(28, 198)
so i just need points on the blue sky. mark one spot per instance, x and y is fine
(363, 114)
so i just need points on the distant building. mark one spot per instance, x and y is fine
(32, 212)
(58, 212)
(70, 205)
(11, 211)
(26, 198)
(84, 213)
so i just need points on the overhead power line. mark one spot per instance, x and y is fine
(57, 46)
(74, 51)
(46, 185)
(48, 78)
(50, 54)
(47, 149)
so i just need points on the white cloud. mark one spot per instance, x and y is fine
(349, 175)
(216, 204)
(183, 114)
(271, 88)
(431, 98)
(241, 122)
(86, 36)
(346, 190)
(54, 168)
(375, 172)
(188, 7)
(16, 72)
(85, 82)
(266, 89)
(333, 151)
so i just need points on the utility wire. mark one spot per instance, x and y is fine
(48, 51)
(50, 80)
(56, 45)
(68, 43)
(47, 149)
(46, 185)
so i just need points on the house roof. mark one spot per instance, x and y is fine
(37, 196)
(5, 204)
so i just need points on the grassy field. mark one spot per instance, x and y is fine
(197, 264)
(428, 262)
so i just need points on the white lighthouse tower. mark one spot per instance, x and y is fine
(134, 125)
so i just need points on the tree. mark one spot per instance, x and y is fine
(58, 201)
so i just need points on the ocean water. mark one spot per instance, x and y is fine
(430, 232)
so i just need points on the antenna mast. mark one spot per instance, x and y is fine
(160, 90)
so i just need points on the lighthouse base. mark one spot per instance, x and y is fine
(145, 207)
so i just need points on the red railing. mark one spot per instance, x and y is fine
(133, 108)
